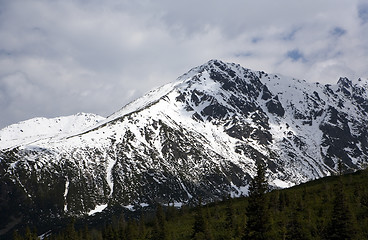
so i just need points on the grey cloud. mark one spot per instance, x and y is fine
(63, 57)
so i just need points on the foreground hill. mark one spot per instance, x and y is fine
(199, 136)
(314, 210)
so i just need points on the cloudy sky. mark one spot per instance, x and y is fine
(60, 57)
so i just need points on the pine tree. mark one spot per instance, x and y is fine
(29, 235)
(229, 218)
(142, 227)
(200, 227)
(296, 228)
(86, 235)
(342, 225)
(258, 218)
(132, 230)
(70, 232)
(159, 229)
(171, 213)
(122, 226)
(283, 201)
(108, 233)
(17, 236)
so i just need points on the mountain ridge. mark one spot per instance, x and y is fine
(28, 130)
(200, 135)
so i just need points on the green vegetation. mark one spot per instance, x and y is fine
(329, 208)
(257, 212)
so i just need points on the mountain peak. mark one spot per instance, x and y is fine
(345, 82)
(200, 135)
(226, 74)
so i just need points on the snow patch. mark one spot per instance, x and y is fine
(110, 165)
(281, 184)
(177, 204)
(129, 207)
(185, 189)
(144, 205)
(66, 194)
(98, 208)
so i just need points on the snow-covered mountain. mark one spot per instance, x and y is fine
(200, 135)
(26, 132)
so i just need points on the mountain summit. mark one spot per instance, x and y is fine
(199, 136)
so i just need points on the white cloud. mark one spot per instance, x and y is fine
(62, 57)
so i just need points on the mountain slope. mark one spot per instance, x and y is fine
(197, 136)
(26, 132)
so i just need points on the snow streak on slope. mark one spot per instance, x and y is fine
(98, 208)
(65, 195)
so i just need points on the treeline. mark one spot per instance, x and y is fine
(329, 208)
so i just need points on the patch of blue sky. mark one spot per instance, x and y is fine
(256, 39)
(5, 52)
(338, 31)
(295, 55)
(243, 54)
(363, 12)
(291, 35)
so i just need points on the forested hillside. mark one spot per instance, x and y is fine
(329, 208)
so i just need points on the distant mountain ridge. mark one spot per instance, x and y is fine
(35, 129)
(200, 135)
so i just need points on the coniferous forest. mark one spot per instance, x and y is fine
(330, 208)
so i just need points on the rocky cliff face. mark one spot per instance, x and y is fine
(200, 135)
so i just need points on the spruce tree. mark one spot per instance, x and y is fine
(229, 218)
(159, 229)
(142, 227)
(200, 227)
(342, 225)
(257, 213)
(108, 233)
(132, 230)
(29, 235)
(17, 236)
(86, 235)
(70, 232)
(122, 226)
(296, 228)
